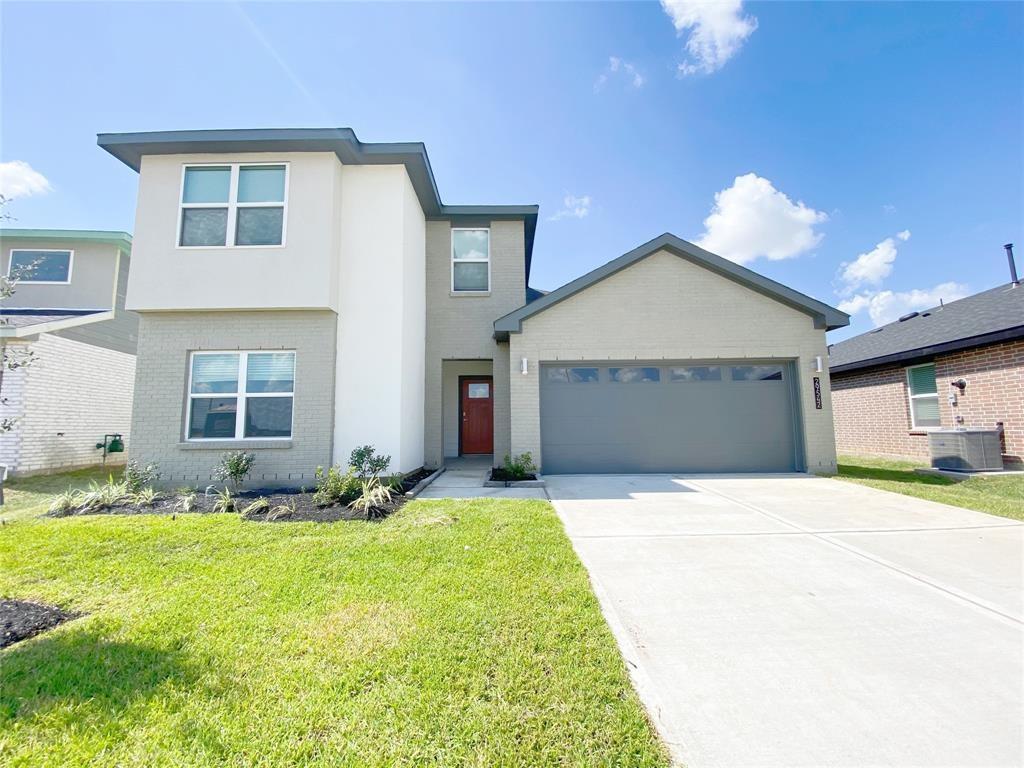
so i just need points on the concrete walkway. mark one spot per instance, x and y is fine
(463, 478)
(801, 621)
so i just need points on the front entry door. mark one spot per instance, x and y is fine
(476, 402)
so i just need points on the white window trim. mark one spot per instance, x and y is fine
(242, 397)
(911, 397)
(71, 265)
(455, 291)
(232, 205)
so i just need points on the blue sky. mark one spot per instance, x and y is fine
(831, 131)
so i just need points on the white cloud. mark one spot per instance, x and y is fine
(886, 306)
(19, 179)
(752, 218)
(870, 268)
(888, 209)
(717, 31)
(619, 67)
(572, 206)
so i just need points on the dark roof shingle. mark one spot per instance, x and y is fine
(979, 319)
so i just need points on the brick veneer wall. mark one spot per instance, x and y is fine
(872, 412)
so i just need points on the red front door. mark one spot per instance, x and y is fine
(476, 401)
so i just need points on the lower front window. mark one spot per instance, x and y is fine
(241, 395)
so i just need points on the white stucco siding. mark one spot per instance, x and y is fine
(381, 317)
(665, 307)
(297, 275)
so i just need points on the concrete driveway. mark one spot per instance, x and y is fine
(801, 621)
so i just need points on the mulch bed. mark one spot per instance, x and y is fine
(21, 619)
(299, 505)
(503, 476)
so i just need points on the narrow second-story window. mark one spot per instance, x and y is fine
(232, 205)
(924, 396)
(33, 265)
(471, 260)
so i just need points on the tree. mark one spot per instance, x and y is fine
(11, 358)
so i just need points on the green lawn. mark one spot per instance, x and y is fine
(1003, 496)
(28, 497)
(451, 634)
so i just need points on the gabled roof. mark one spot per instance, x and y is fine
(121, 239)
(990, 316)
(824, 315)
(129, 148)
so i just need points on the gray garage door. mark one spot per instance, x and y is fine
(668, 417)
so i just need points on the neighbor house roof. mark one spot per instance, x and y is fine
(990, 316)
(18, 323)
(130, 147)
(121, 239)
(824, 315)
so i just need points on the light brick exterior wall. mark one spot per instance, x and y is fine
(71, 396)
(462, 327)
(665, 307)
(872, 411)
(158, 429)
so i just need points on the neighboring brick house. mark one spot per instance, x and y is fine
(893, 384)
(68, 309)
(303, 292)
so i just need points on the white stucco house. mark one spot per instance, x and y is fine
(301, 292)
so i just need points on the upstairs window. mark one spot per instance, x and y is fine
(239, 205)
(924, 396)
(471, 260)
(32, 265)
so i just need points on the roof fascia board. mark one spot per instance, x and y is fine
(120, 239)
(824, 316)
(17, 332)
(907, 356)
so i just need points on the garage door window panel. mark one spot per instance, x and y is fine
(757, 373)
(696, 373)
(636, 375)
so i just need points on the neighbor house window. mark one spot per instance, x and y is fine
(471, 260)
(241, 395)
(924, 396)
(232, 205)
(32, 265)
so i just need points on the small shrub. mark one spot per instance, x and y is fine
(519, 467)
(146, 497)
(138, 477)
(223, 501)
(187, 501)
(366, 462)
(373, 496)
(335, 487)
(65, 503)
(257, 507)
(234, 466)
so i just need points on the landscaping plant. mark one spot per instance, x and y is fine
(146, 497)
(374, 495)
(257, 507)
(366, 462)
(234, 466)
(519, 467)
(138, 477)
(187, 501)
(335, 486)
(223, 501)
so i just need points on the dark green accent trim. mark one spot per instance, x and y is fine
(129, 148)
(121, 239)
(825, 317)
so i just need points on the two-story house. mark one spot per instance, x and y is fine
(68, 311)
(302, 292)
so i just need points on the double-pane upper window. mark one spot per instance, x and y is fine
(924, 396)
(471, 260)
(40, 266)
(232, 205)
(241, 395)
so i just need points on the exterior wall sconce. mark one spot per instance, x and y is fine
(524, 370)
(817, 364)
